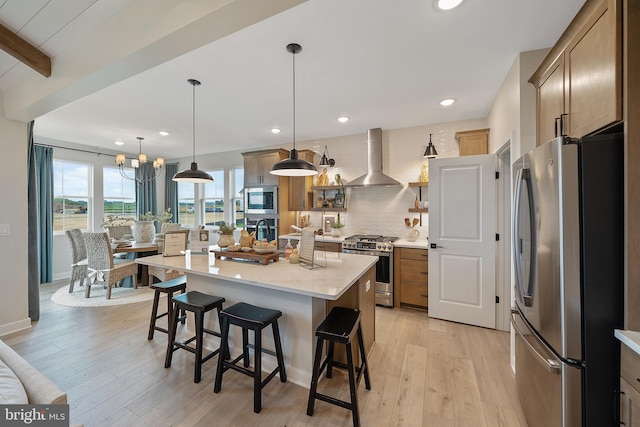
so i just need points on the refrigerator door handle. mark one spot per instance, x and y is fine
(517, 240)
(551, 365)
(523, 176)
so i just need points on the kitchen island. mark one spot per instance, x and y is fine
(303, 295)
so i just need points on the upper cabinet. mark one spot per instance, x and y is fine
(473, 142)
(257, 166)
(300, 187)
(579, 83)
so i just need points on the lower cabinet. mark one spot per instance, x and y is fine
(629, 387)
(328, 246)
(411, 277)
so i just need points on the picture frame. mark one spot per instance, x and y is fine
(175, 242)
(327, 221)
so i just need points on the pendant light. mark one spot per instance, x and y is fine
(430, 152)
(293, 166)
(193, 175)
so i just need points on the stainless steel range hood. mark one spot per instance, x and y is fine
(374, 176)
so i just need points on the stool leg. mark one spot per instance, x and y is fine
(183, 316)
(245, 347)
(364, 365)
(314, 376)
(224, 329)
(154, 314)
(279, 355)
(197, 374)
(352, 387)
(172, 336)
(330, 359)
(223, 351)
(257, 371)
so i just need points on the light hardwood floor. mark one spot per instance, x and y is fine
(424, 372)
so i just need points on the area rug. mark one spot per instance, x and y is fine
(98, 297)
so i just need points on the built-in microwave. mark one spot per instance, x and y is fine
(261, 200)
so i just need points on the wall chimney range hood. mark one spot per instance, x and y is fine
(374, 176)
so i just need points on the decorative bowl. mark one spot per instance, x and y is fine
(264, 249)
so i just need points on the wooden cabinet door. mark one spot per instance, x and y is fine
(257, 167)
(629, 405)
(550, 102)
(593, 70)
(300, 194)
(413, 277)
(266, 162)
(252, 173)
(473, 142)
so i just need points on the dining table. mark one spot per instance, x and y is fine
(137, 248)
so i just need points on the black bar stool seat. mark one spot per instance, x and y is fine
(199, 304)
(251, 317)
(169, 287)
(339, 326)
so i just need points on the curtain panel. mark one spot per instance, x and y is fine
(146, 196)
(44, 176)
(171, 189)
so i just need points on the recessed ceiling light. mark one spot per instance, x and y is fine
(343, 119)
(118, 142)
(446, 102)
(444, 5)
(163, 132)
(275, 130)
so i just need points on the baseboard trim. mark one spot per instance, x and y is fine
(15, 326)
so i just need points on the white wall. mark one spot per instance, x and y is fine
(14, 312)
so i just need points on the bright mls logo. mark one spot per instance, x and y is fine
(34, 415)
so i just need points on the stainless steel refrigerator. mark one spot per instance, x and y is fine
(568, 257)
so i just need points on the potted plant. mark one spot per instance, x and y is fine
(336, 228)
(226, 234)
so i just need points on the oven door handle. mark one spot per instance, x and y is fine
(365, 252)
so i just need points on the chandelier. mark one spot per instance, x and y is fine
(135, 163)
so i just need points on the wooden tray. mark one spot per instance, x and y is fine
(252, 256)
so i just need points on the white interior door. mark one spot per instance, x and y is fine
(462, 246)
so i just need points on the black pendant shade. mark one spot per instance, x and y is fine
(293, 166)
(430, 152)
(193, 175)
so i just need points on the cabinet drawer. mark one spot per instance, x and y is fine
(410, 253)
(630, 366)
(414, 271)
(328, 246)
(414, 294)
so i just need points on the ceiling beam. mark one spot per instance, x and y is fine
(25, 52)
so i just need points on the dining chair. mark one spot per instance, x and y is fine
(170, 226)
(78, 257)
(103, 268)
(118, 231)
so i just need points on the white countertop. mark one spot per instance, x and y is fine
(629, 338)
(330, 282)
(421, 243)
(319, 238)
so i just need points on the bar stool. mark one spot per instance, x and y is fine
(248, 316)
(339, 327)
(199, 304)
(169, 287)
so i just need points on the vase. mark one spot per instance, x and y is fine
(412, 234)
(226, 240)
(335, 232)
(143, 231)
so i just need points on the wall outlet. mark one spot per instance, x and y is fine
(5, 229)
(367, 286)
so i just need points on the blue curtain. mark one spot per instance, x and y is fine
(146, 196)
(33, 280)
(44, 177)
(171, 190)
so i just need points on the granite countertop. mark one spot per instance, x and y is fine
(629, 338)
(330, 282)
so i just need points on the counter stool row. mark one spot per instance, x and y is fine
(341, 326)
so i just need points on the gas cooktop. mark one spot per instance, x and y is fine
(370, 238)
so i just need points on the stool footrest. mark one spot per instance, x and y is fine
(333, 401)
(233, 365)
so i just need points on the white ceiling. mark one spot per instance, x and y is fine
(383, 63)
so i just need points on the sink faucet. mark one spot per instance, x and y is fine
(266, 223)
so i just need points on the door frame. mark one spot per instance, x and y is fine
(504, 273)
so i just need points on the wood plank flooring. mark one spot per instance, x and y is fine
(424, 372)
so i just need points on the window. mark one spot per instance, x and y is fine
(213, 199)
(186, 207)
(238, 197)
(71, 195)
(119, 193)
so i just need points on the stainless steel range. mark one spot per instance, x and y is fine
(382, 247)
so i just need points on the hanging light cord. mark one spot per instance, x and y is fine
(294, 99)
(193, 130)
